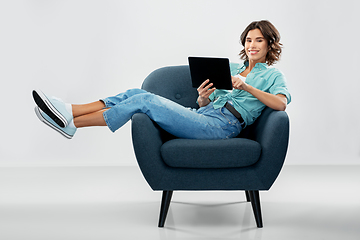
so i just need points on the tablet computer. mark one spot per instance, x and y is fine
(217, 70)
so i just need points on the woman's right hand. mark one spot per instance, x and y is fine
(205, 91)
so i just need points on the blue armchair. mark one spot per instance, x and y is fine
(250, 162)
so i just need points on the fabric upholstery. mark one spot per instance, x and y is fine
(230, 153)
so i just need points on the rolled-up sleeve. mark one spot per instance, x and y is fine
(279, 87)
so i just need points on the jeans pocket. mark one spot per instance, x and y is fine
(233, 129)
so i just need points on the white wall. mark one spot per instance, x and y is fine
(81, 51)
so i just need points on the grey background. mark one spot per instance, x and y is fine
(81, 51)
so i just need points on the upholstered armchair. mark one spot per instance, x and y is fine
(250, 162)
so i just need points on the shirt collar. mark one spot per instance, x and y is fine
(258, 66)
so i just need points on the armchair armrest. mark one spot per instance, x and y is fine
(147, 140)
(272, 132)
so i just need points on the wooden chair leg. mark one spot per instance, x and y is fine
(247, 196)
(165, 204)
(255, 202)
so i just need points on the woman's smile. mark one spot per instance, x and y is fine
(253, 52)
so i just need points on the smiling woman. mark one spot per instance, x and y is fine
(222, 114)
(267, 31)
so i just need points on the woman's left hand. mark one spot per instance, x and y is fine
(238, 83)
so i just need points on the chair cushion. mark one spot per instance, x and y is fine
(229, 153)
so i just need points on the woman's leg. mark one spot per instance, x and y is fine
(83, 109)
(90, 114)
(91, 119)
(172, 117)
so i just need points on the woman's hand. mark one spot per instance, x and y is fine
(238, 83)
(205, 91)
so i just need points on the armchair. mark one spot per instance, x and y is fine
(251, 162)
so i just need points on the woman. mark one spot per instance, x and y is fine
(222, 113)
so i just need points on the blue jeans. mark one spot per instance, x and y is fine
(203, 123)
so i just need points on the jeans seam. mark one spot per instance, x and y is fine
(107, 121)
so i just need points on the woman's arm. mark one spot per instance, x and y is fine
(204, 93)
(276, 102)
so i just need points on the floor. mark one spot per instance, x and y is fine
(306, 202)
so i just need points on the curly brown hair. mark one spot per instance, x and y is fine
(271, 34)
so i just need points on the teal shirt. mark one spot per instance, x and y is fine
(262, 77)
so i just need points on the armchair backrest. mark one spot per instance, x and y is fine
(173, 83)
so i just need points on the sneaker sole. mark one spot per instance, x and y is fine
(45, 105)
(42, 119)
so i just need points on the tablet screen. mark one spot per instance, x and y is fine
(217, 70)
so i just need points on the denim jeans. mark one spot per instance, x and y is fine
(203, 123)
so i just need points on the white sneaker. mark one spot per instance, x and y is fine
(67, 132)
(53, 107)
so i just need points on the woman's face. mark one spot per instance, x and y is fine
(256, 46)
